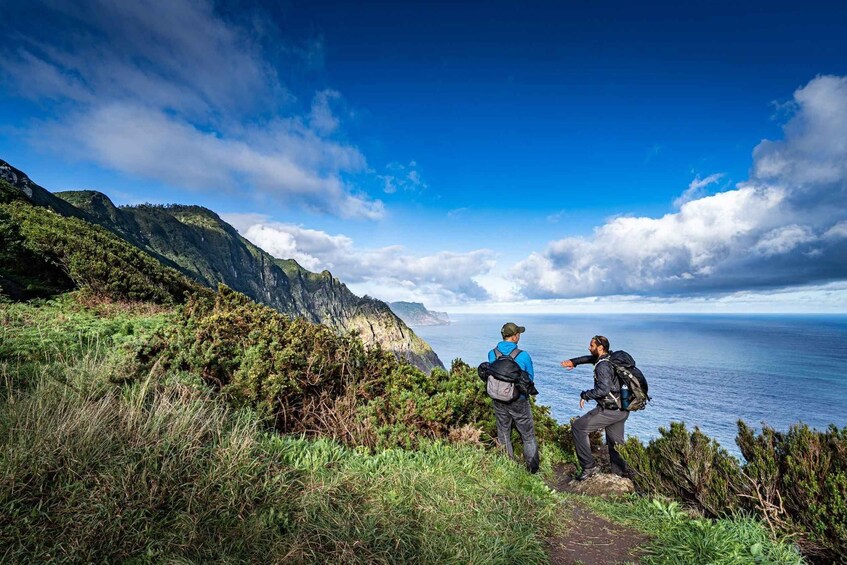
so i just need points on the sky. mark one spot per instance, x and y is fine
(489, 156)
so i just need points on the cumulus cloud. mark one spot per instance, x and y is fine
(389, 273)
(174, 92)
(782, 227)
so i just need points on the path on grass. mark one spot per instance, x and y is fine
(590, 539)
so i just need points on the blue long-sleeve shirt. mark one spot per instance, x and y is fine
(523, 359)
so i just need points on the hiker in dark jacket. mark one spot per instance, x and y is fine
(517, 412)
(604, 416)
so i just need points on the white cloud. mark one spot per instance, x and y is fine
(556, 217)
(389, 273)
(695, 189)
(784, 239)
(321, 118)
(838, 231)
(174, 92)
(780, 228)
(402, 177)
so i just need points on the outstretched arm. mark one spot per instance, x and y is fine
(571, 363)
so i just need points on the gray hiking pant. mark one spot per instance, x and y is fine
(518, 413)
(599, 418)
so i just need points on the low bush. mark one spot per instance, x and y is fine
(304, 378)
(799, 478)
(45, 253)
(794, 481)
(689, 467)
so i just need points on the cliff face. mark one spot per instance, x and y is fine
(327, 298)
(197, 242)
(416, 314)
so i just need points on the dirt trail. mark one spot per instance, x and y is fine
(590, 539)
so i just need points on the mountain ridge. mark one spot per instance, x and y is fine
(199, 244)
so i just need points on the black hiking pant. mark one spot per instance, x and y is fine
(598, 419)
(519, 413)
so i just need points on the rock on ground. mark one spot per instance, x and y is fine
(603, 484)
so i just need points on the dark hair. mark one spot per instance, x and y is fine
(601, 340)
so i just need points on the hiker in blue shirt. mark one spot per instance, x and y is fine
(517, 412)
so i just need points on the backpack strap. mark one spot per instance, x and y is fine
(614, 372)
(498, 354)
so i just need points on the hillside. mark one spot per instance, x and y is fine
(43, 253)
(131, 432)
(198, 243)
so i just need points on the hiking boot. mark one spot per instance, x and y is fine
(629, 473)
(587, 473)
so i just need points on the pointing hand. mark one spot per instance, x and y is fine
(567, 364)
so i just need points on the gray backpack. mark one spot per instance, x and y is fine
(504, 377)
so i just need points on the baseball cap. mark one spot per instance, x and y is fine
(510, 329)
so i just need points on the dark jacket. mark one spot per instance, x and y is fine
(605, 380)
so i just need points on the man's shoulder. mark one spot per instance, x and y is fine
(524, 355)
(604, 364)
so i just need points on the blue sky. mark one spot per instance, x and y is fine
(573, 156)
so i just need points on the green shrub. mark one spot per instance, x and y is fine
(689, 467)
(304, 378)
(24, 274)
(300, 376)
(800, 478)
(795, 481)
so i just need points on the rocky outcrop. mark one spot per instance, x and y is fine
(377, 323)
(602, 484)
(329, 301)
(605, 485)
(416, 314)
(197, 242)
(36, 194)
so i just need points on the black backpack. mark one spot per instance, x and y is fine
(630, 378)
(504, 379)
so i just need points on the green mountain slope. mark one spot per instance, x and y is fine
(199, 244)
(43, 253)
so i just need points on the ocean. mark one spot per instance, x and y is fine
(708, 371)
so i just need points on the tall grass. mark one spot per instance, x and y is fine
(171, 474)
